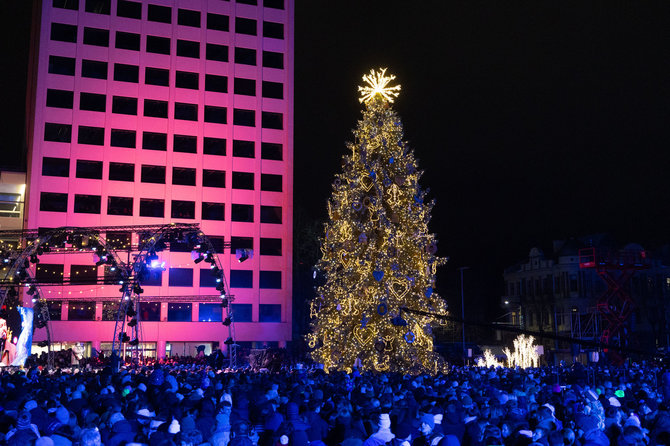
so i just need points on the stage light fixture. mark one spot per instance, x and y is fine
(137, 289)
(226, 321)
(134, 342)
(132, 322)
(26, 263)
(198, 258)
(124, 337)
(229, 341)
(34, 259)
(243, 254)
(224, 303)
(220, 287)
(32, 290)
(130, 312)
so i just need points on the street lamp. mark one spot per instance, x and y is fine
(461, 269)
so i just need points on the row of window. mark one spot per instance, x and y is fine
(155, 13)
(158, 141)
(151, 207)
(176, 311)
(49, 273)
(63, 32)
(183, 176)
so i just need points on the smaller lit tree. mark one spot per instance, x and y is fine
(525, 353)
(489, 360)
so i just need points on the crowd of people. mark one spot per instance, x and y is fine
(196, 404)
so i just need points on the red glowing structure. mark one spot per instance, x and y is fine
(615, 268)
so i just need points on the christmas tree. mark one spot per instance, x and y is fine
(375, 309)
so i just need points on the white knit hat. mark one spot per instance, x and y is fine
(174, 427)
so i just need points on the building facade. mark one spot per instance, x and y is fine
(147, 112)
(552, 293)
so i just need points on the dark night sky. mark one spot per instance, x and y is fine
(533, 120)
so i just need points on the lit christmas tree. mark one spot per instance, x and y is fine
(377, 254)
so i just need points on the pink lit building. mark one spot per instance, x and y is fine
(147, 112)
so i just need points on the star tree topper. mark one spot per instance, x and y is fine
(378, 84)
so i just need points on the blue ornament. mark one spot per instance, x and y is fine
(372, 174)
(382, 309)
(391, 160)
(429, 291)
(364, 321)
(410, 337)
(378, 275)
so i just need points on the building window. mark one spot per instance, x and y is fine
(186, 112)
(109, 310)
(89, 169)
(217, 243)
(150, 311)
(269, 280)
(124, 105)
(216, 52)
(62, 65)
(126, 73)
(152, 277)
(154, 141)
(188, 48)
(216, 115)
(183, 176)
(271, 214)
(242, 213)
(161, 14)
(276, 4)
(81, 310)
(83, 274)
(208, 279)
(269, 313)
(183, 209)
(180, 277)
(55, 167)
(274, 90)
(60, 98)
(245, 26)
(158, 45)
(53, 202)
(152, 207)
(241, 279)
(270, 246)
(213, 211)
(185, 79)
(209, 312)
(270, 182)
(55, 309)
(94, 69)
(214, 146)
(213, 178)
(92, 102)
(96, 36)
(98, 6)
(244, 117)
(270, 120)
(218, 22)
(241, 312)
(121, 172)
(127, 41)
(187, 17)
(240, 243)
(245, 56)
(271, 151)
(272, 59)
(131, 10)
(64, 33)
(87, 204)
(245, 86)
(49, 273)
(248, 2)
(155, 108)
(273, 30)
(185, 144)
(57, 132)
(123, 138)
(244, 149)
(179, 312)
(94, 136)
(119, 206)
(243, 180)
(66, 4)
(216, 83)
(157, 76)
(153, 174)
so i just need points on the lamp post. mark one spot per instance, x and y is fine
(461, 269)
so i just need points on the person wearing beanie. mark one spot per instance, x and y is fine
(426, 435)
(383, 434)
(25, 432)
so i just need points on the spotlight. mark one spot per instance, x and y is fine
(134, 342)
(130, 312)
(243, 254)
(209, 258)
(32, 290)
(132, 322)
(124, 337)
(229, 341)
(224, 303)
(26, 263)
(39, 250)
(152, 256)
(227, 321)
(197, 258)
(220, 287)
(137, 289)
(34, 259)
